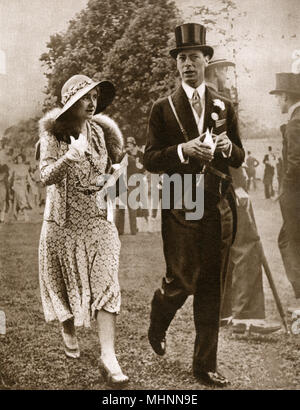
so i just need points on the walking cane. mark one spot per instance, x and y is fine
(273, 287)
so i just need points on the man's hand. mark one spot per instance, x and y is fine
(197, 149)
(223, 143)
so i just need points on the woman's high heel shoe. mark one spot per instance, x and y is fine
(71, 345)
(117, 379)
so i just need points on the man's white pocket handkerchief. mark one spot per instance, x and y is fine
(219, 123)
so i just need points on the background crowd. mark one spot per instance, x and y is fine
(22, 195)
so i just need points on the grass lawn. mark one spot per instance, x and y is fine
(31, 352)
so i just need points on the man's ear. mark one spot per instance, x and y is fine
(206, 58)
(285, 97)
(217, 71)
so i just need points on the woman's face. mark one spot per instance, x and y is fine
(85, 108)
(19, 159)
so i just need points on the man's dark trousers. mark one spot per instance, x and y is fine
(213, 237)
(289, 237)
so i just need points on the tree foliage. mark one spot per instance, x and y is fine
(140, 65)
(90, 35)
(125, 41)
(221, 18)
(22, 135)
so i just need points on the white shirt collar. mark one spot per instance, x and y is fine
(292, 109)
(190, 90)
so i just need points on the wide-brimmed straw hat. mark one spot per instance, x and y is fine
(79, 85)
(191, 36)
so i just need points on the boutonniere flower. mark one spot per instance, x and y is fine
(214, 116)
(219, 106)
(219, 103)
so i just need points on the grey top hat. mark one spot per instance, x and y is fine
(287, 82)
(191, 36)
(221, 62)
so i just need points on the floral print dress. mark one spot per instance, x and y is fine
(79, 260)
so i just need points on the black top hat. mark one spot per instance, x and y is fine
(191, 36)
(288, 83)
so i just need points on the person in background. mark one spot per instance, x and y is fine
(35, 186)
(9, 160)
(243, 305)
(287, 92)
(216, 76)
(4, 173)
(135, 166)
(272, 155)
(251, 163)
(19, 184)
(268, 177)
(272, 159)
(135, 152)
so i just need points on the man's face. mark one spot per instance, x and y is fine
(281, 101)
(191, 65)
(221, 73)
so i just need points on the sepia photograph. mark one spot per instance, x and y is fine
(149, 198)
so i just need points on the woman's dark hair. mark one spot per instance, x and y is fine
(65, 126)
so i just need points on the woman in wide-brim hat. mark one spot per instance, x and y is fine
(19, 181)
(79, 247)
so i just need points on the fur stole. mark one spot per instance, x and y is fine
(113, 136)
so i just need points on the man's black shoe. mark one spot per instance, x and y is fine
(211, 379)
(158, 344)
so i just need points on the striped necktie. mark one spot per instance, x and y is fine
(196, 103)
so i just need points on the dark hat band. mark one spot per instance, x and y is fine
(193, 36)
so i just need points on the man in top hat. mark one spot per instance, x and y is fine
(216, 76)
(196, 251)
(287, 92)
(243, 301)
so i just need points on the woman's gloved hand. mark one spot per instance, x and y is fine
(77, 148)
